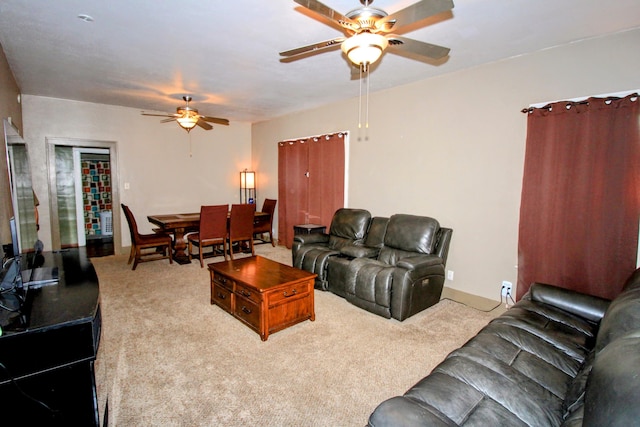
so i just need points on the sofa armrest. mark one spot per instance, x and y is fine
(305, 239)
(586, 306)
(417, 284)
(359, 251)
(419, 262)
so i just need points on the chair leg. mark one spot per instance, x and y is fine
(253, 252)
(231, 250)
(271, 238)
(136, 258)
(132, 253)
(201, 249)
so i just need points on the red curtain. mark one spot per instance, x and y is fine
(310, 182)
(580, 202)
(292, 188)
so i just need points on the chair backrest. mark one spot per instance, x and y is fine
(131, 220)
(262, 225)
(241, 221)
(348, 226)
(408, 235)
(213, 221)
(269, 206)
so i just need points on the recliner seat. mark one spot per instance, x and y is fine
(311, 252)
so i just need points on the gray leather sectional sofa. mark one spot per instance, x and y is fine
(393, 267)
(556, 358)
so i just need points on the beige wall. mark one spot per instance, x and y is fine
(153, 158)
(9, 91)
(452, 147)
(9, 107)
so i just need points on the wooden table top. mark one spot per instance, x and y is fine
(260, 273)
(184, 219)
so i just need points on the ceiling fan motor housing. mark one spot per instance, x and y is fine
(367, 17)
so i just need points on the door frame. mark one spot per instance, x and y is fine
(112, 146)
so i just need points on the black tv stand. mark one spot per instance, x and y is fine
(47, 360)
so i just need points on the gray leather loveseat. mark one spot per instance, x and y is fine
(556, 358)
(393, 267)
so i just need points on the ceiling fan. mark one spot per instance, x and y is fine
(368, 31)
(188, 117)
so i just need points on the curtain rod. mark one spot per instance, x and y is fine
(314, 137)
(582, 102)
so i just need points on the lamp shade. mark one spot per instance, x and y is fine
(364, 48)
(187, 122)
(247, 179)
(247, 186)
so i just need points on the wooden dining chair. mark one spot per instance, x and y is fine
(265, 225)
(241, 226)
(211, 232)
(141, 243)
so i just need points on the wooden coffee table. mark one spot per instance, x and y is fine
(265, 295)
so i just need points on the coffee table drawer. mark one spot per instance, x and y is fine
(223, 281)
(248, 293)
(221, 296)
(295, 290)
(249, 312)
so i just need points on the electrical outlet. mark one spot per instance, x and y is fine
(506, 288)
(449, 274)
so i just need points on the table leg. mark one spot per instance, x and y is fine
(179, 245)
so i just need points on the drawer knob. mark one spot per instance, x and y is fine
(287, 295)
(246, 310)
(245, 293)
(221, 295)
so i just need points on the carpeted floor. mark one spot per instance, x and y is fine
(170, 358)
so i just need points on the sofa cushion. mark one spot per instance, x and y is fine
(411, 233)
(622, 316)
(377, 231)
(613, 388)
(573, 404)
(348, 225)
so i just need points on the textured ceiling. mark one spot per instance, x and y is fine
(147, 54)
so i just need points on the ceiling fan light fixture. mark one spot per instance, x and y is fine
(364, 48)
(187, 122)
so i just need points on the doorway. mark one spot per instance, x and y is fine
(83, 195)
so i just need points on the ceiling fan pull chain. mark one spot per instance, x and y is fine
(360, 101)
(367, 113)
(190, 151)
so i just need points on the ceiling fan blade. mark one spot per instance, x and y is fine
(416, 12)
(157, 115)
(327, 12)
(312, 47)
(215, 120)
(416, 47)
(168, 120)
(204, 125)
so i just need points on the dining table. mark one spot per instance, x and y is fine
(182, 223)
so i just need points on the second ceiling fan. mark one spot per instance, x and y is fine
(188, 117)
(369, 31)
